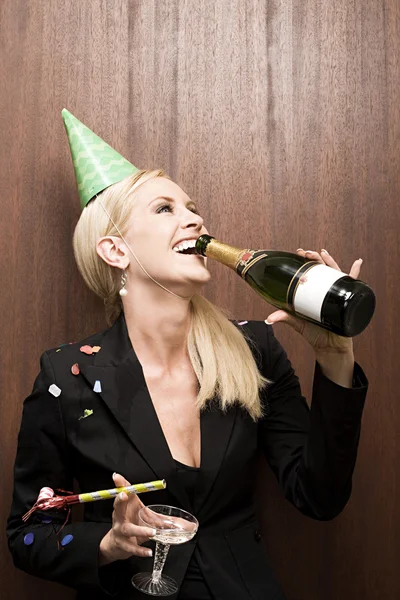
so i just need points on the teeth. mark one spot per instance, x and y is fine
(184, 245)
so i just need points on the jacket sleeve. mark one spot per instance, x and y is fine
(42, 460)
(312, 451)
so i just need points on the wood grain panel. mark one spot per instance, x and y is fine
(281, 118)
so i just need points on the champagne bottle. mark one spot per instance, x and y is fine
(302, 287)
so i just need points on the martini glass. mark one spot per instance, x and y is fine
(173, 526)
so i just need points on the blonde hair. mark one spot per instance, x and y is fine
(220, 354)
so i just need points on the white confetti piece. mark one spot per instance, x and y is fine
(55, 390)
(242, 322)
(97, 386)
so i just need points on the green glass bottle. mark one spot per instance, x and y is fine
(307, 289)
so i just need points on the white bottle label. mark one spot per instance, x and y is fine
(312, 289)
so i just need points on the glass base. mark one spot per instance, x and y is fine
(164, 587)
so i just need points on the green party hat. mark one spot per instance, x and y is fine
(96, 164)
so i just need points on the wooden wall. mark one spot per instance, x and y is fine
(281, 118)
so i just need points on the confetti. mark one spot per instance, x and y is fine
(47, 520)
(58, 350)
(67, 539)
(86, 413)
(29, 539)
(86, 349)
(55, 390)
(242, 322)
(97, 386)
(75, 369)
(90, 349)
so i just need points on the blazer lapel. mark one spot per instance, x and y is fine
(124, 390)
(216, 430)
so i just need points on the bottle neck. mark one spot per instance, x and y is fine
(223, 253)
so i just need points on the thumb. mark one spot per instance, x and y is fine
(280, 316)
(276, 317)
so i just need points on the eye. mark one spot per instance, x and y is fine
(159, 210)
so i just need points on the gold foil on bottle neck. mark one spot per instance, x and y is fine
(227, 255)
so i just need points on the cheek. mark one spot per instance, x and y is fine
(152, 239)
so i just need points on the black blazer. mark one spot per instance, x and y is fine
(312, 453)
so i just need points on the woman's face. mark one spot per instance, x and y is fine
(162, 216)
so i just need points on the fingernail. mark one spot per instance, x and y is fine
(360, 260)
(114, 474)
(149, 553)
(298, 249)
(153, 531)
(326, 251)
(122, 496)
(268, 322)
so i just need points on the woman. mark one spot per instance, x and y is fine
(186, 395)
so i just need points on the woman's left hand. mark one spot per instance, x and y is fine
(324, 342)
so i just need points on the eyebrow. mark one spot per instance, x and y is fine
(168, 199)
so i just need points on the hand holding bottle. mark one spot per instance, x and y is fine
(322, 340)
(303, 285)
(326, 306)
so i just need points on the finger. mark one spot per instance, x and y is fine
(129, 530)
(328, 259)
(152, 518)
(120, 481)
(120, 506)
(356, 268)
(324, 258)
(139, 551)
(132, 548)
(310, 255)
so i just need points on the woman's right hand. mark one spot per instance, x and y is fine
(126, 535)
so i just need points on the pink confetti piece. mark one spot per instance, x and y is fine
(242, 322)
(90, 349)
(75, 369)
(86, 349)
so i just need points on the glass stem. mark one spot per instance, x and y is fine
(159, 561)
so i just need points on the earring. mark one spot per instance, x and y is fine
(123, 291)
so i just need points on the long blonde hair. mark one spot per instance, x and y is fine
(220, 355)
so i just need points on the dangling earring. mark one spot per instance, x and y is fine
(123, 291)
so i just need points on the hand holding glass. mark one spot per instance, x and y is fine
(173, 526)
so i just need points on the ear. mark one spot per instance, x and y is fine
(113, 251)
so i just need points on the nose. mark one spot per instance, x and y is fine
(192, 219)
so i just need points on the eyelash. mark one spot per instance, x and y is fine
(169, 205)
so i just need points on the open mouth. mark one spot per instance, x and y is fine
(188, 251)
(187, 248)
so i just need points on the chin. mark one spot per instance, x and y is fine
(195, 285)
(205, 277)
